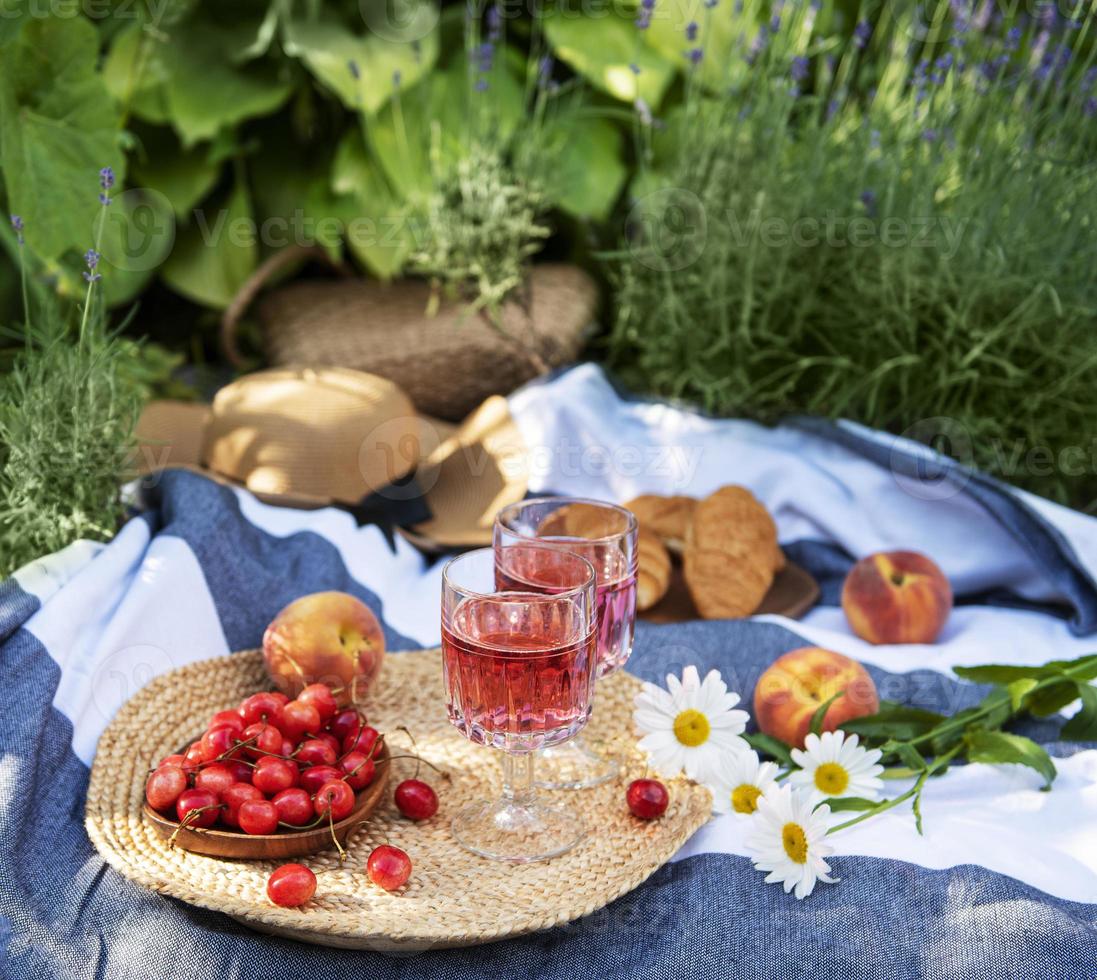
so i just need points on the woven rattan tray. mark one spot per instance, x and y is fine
(453, 897)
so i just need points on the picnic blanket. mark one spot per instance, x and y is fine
(1002, 884)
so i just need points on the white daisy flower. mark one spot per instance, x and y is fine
(833, 764)
(787, 840)
(691, 726)
(744, 781)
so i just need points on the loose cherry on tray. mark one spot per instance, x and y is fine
(388, 867)
(647, 798)
(416, 800)
(291, 885)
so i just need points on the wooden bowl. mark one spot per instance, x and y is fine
(289, 843)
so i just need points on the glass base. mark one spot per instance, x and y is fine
(508, 830)
(574, 766)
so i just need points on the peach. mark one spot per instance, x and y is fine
(896, 597)
(328, 638)
(793, 687)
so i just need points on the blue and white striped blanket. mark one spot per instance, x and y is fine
(1003, 884)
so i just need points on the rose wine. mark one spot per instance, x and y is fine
(615, 597)
(518, 669)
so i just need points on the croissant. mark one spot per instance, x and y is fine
(653, 572)
(668, 517)
(731, 554)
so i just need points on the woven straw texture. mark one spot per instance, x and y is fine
(453, 898)
(447, 363)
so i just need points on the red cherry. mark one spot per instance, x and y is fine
(299, 719)
(415, 799)
(273, 775)
(359, 769)
(336, 744)
(172, 760)
(192, 800)
(321, 698)
(264, 706)
(218, 743)
(216, 778)
(165, 786)
(361, 741)
(194, 757)
(240, 770)
(257, 817)
(347, 721)
(265, 740)
(226, 719)
(388, 867)
(294, 806)
(647, 798)
(315, 776)
(337, 796)
(287, 747)
(279, 697)
(315, 752)
(234, 797)
(291, 885)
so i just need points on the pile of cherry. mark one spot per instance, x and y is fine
(276, 765)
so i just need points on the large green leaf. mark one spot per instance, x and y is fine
(900, 723)
(206, 92)
(604, 50)
(214, 255)
(379, 228)
(328, 48)
(136, 75)
(586, 172)
(138, 235)
(1002, 747)
(58, 127)
(183, 176)
(1083, 726)
(443, 112)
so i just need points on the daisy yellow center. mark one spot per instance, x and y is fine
(831, 778)
(795, 842)
(691, 728)
(744, 799)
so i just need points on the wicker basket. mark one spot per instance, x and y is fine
(453, 898)
(448, 362)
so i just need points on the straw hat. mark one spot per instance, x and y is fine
(318, 437)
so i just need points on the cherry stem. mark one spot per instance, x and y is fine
(414, 747)
(189, 817)
(331, 824)
(426, 762)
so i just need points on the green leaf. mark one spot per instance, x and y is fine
(327, 48)
(844, 803)
(724, 35)
(909, 756)
(1003, 747)
(136, 75)
(183, 176)
(215, 255)
(820, 713)
(138, 235)
(603, 50)
(206, 92)
(768, 745)
(587, 171)
(1018, 689)
(1053, 698)
(901, 724)
(58, 127)
(441, 111)
(1081, 668)
(379, 228)
(1083, 726)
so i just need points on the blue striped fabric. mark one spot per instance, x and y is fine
(903, 909)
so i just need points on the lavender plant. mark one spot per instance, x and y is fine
(893, 228)
(67, 418)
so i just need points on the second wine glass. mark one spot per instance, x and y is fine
(606, 536)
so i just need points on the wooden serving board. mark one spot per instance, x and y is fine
(792, 594)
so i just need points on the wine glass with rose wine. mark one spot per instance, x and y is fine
(519, 668)
(605, 535)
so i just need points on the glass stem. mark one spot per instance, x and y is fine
(518, 785)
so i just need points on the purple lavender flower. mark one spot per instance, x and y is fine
(634, 68)
(711, 4)
(544, 70)
(17, 225)
(758, 45)
(691, 30)
(106, 182)
(868, 199)
(929, 135)
(1090, 110)
(695, 56)
(1013, 38)
(643, 15)
(495, 23)
(799, 69)
(352, 67)
(481, 85)
(861, 34)
(91, 257)
(775, 23)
